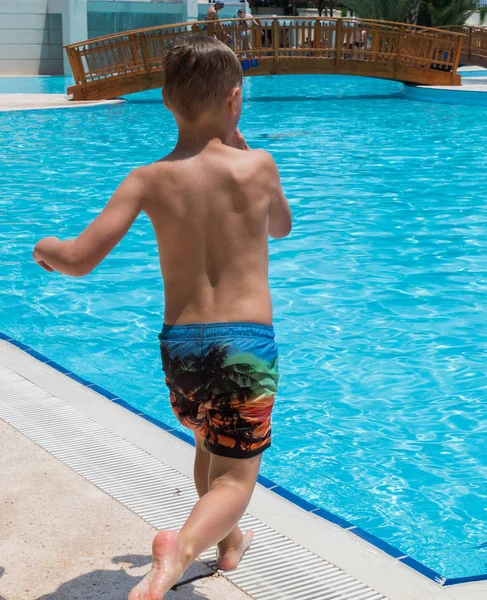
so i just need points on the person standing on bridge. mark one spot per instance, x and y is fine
(245, 25)
(213, 203)
(212, 14)
(213, 19)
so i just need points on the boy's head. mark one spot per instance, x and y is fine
(203, 77)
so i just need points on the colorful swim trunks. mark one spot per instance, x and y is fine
(222, 379)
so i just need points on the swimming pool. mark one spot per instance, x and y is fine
(379, 293)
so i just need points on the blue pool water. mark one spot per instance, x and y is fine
(379, 293)
(35, 85)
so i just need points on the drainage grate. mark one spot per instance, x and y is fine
(275, 568)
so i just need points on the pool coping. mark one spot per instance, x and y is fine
(269, 490)
(468, 94)
(13, 102)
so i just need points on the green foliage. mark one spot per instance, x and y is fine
(438, 13)
(387, 10)
(326, 7)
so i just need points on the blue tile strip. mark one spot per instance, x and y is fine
(267, 483)
(284, 493)
(458, 580)
(377, 542)
(417, 566)
(264, 481)
(325, 514)
(102, 391)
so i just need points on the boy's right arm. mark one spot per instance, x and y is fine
(280, 217)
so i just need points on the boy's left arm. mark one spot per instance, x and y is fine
(79, 256)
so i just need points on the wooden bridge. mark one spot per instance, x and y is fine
(114, 65)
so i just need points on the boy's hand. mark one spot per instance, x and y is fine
(42, 264)
(237, 141)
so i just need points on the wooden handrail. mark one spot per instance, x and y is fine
(108, 66)
(257, 18)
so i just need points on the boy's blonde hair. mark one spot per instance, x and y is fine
(200, 72)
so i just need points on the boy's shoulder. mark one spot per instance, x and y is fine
(256, 166)
(257, 158)
(146, 172)
(264, 162)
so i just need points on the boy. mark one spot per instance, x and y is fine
(212, 202)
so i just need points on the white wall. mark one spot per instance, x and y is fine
(474, 20)
(30, 38)
(32, 32)
(113, 16)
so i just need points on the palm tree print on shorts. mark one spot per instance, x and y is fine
(226, 397)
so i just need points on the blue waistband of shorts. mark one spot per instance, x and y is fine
(211, 331)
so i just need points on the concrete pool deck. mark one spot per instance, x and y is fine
(472, 91)
(137, 465)
(62, 538)
(10, 102)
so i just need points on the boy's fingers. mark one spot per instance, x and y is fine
(45, 266)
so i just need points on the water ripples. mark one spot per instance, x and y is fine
(379, 293)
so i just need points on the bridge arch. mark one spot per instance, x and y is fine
(132, 61)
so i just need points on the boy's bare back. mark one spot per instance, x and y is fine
(210, 213)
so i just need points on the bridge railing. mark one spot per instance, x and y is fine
(280, 45)
(475, 45)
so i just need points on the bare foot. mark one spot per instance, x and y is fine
(230, 557)
(166, 570)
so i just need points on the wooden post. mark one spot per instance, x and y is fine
(134, 47)
(74, 65)
(145, 54)
(257, 37)
(458, 54)
(77, 66)
(276, 41)
(375, 44)
(339, 40)
(317, 34)
(400, 44)
(469, 42)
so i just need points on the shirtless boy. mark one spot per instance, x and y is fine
(212, 202)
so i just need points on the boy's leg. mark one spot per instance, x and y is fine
(215, 515)
(201, 466)
(236, 543)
